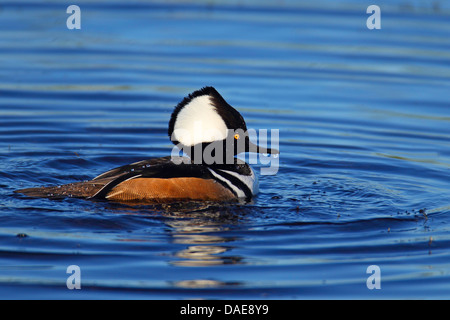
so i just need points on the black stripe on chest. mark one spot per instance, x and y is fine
(235, 181)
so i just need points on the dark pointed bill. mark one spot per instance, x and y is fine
(258, 149)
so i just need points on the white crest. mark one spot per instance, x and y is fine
(199, 122)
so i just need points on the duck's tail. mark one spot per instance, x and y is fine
(75, 190)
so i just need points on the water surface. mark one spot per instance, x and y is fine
(364, 122)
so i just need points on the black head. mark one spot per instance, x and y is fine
(204, 120)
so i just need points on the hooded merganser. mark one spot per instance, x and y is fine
(210, 132)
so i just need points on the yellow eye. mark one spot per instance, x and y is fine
(236, 136)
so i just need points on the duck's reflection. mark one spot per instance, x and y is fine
(204, 245)
(206, 235)
(201, 233)
(202, 227)
(205, 232)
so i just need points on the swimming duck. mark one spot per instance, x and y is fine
(210, 133)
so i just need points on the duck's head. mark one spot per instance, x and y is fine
(204, 120)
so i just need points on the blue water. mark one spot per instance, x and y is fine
(364, 122)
